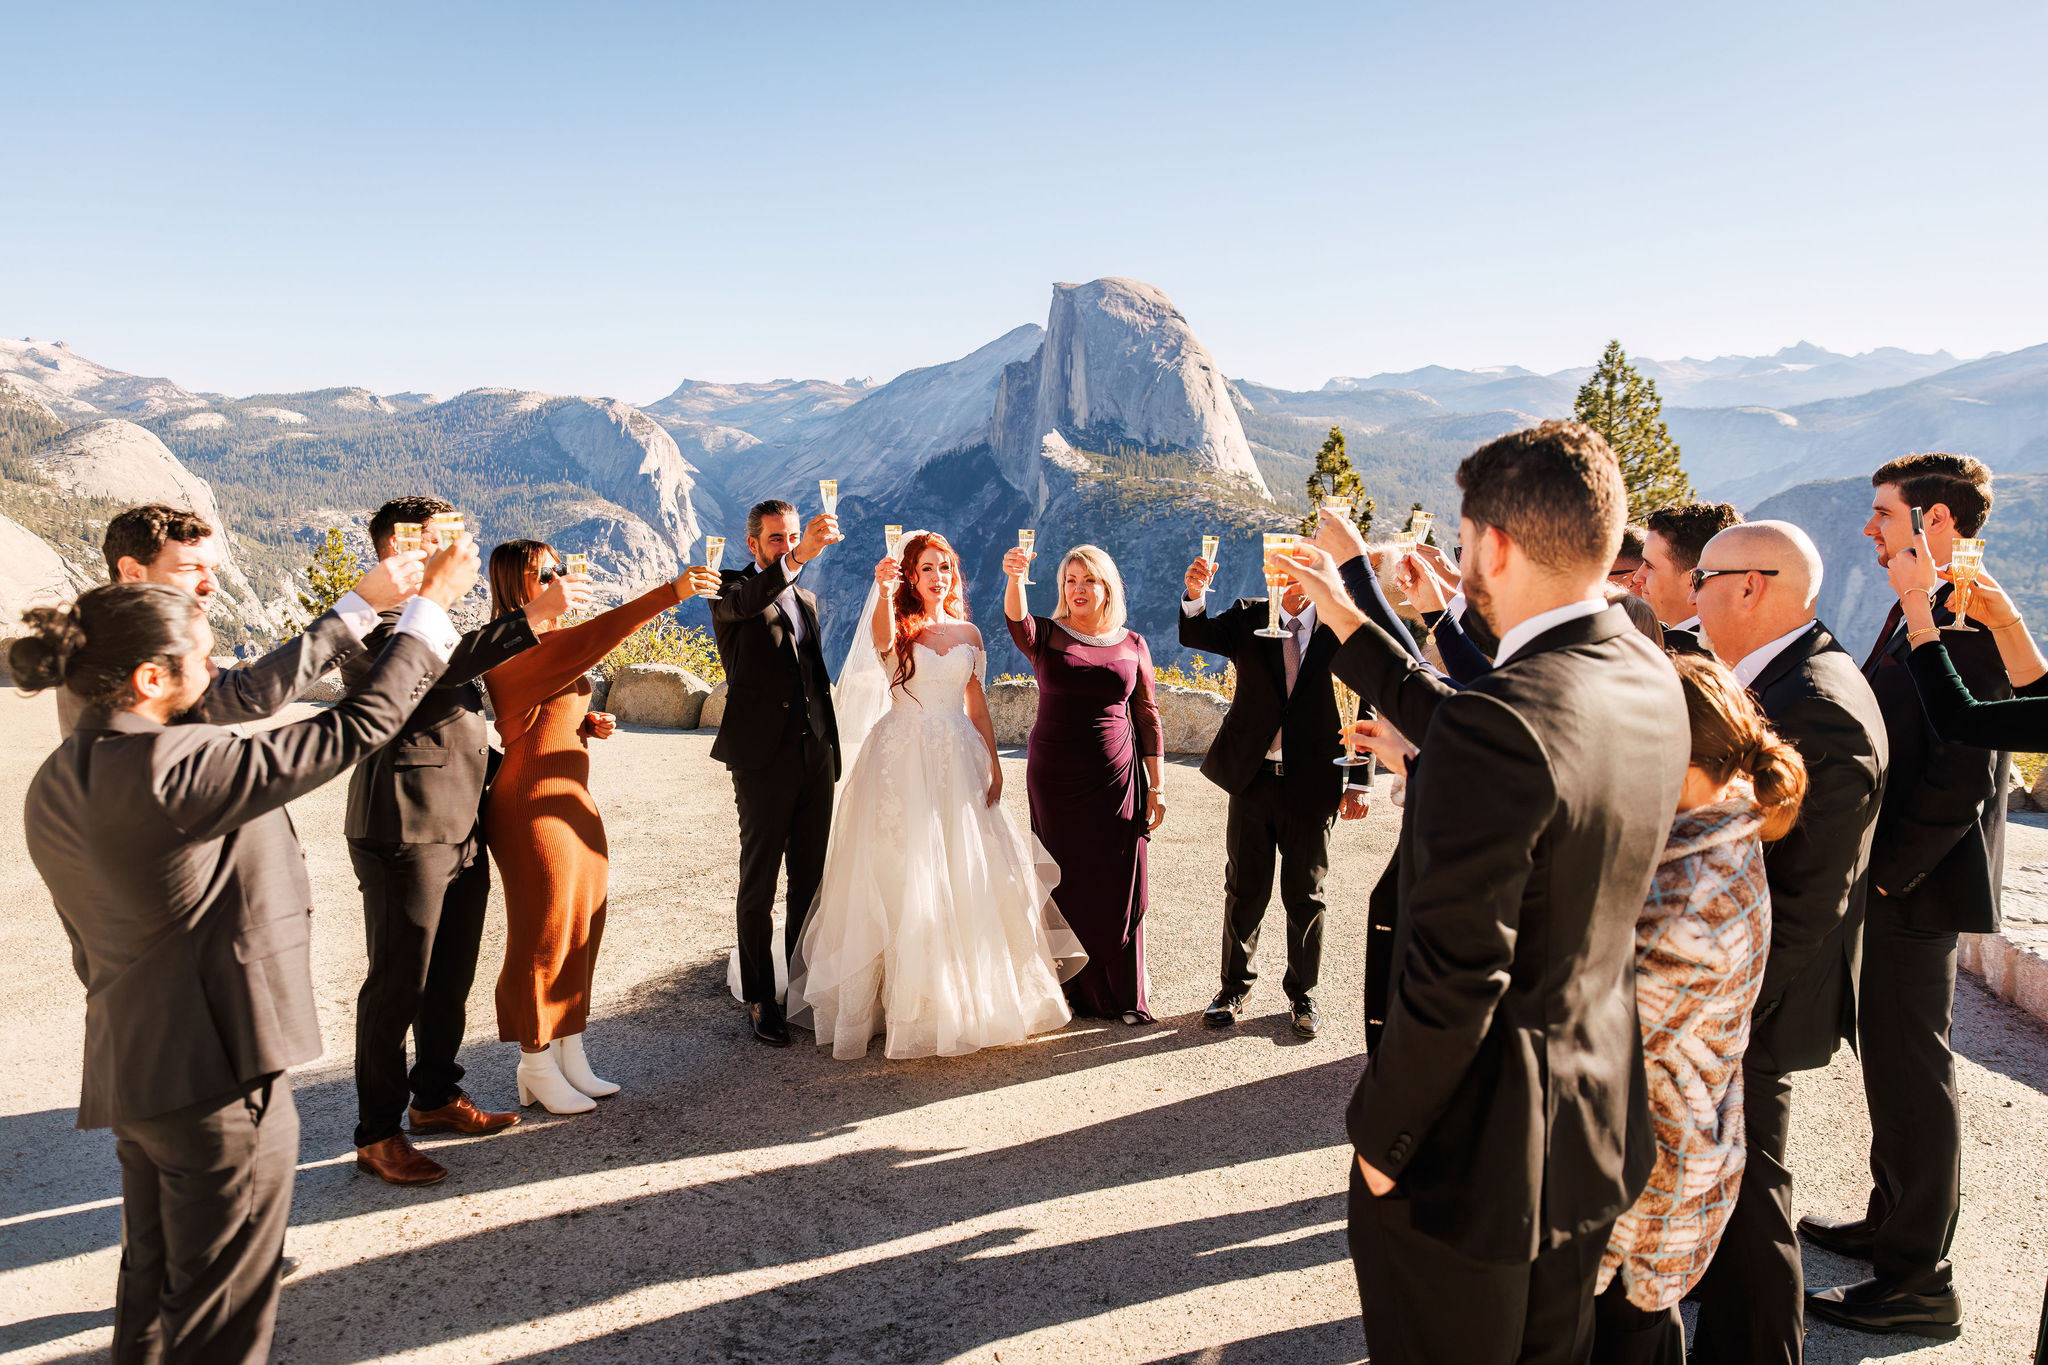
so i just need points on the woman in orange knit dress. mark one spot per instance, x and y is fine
(543, 829)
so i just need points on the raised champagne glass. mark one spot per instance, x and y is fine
(407, 536)
(578, 563)
(1963, 563)
(714, 551)
(1210, 545)
(828, 494)
(894, 536)
(1347, 713)
(1274, 542)
(1334, 506)
(1025, 540)
(1420, 524)
(443, 530)
(1404, 545)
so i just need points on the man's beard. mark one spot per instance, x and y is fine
(1477, 594)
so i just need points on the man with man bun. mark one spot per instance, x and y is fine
(1754, 591)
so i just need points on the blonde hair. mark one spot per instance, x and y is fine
(1097, 561)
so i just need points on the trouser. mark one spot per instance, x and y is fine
(423, 921)
(1907, 1003)
(206, 1192)
(1426, 1304)
(785, 818)
(1261, 825)
(1624, 1334)
(1753, 1297)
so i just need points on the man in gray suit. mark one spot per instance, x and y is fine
(174, 867)
(157, 543)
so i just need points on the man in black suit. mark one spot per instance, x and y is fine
(176, 872)
(1672, 541)
(416, 844)
(1502, 1123)
(1275, 753)
(1935, 872)
(1756, 587)
(779, 739)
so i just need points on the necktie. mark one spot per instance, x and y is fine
(1884, 637)
(1290, 654)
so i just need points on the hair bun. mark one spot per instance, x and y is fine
(41, 658)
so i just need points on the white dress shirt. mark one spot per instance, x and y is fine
(1757, 660)
(1520, 635)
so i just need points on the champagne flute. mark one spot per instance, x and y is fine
(1420, 524)
(443, 530)
(1334, 506)
(1404, 545)
(1025, 540)
(575, 562)
(1274, 542)
(407, 536)
(828, 493)
(1210, 545)
(714, 551)
(1347, 714)
(894, 536)
(1963, 562)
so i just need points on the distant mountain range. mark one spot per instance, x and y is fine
(1111, 422)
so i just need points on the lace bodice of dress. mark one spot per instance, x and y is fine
(940, 683)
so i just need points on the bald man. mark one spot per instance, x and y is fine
(1754, 591)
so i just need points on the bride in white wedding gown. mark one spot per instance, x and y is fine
(934, 924)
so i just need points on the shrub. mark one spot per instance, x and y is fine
(1198, 674)
(664, 640)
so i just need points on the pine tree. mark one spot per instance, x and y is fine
(1623, 406)
(1334, 477)
(332, 573)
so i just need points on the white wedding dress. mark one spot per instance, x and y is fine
(934, 924)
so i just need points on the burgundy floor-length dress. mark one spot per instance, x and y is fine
(1085, 774)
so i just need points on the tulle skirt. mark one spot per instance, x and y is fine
(934, 924)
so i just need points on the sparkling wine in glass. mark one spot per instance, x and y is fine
(1025, 540)
(1347, 714)
(443, 530)
(407, 536)
(1404, 545)
(828, 494)
(1274, 542)
(1420, 524)
(1963, 562)
(578, 563)
(894, 535)
(714, 551)
(1210, 545)
(1334, 506)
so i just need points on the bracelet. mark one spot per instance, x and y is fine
(1914, 637)
(1926, 593)
(2013, 624)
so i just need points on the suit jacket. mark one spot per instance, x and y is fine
(260, 688)
(178, 876)
(1940, 848)
(1685, 642)
(426, 786)
(773, 684)
(1819, 703)
(1306, 718)
(1506, 1096)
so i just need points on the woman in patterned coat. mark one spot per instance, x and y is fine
(1700, 948)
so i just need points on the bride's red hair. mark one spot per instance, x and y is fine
(912, 620)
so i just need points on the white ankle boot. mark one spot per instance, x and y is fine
(576, 1067)
(540, 1078)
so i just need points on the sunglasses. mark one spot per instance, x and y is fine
(1700, 576)
(547, 576)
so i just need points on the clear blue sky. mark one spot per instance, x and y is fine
(606, 198)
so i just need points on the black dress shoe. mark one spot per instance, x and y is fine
(768, 1025)
(1224, 1009)
(1873, 1306)
(1855, 1238)
(1306, 1021)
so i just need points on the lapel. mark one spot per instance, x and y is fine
(1898, 647)
(1580, 630)
(777, 619)
(807, 603)
(1814, 641)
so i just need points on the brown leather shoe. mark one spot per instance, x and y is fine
(462, 1116)
(395, 1159)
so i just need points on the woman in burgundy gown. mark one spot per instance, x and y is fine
(1093, 771)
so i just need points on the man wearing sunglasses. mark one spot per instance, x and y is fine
(1754, 590)
(1672, 541)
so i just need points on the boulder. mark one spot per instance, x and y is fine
(667, 695)
(329, 689)
(2040, 790)
(1189, 718)
(600, 690)
(1012, 710)
(2017, 795)
(714, 709)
